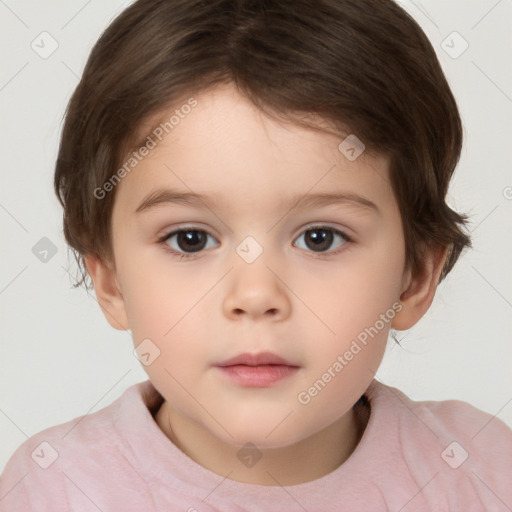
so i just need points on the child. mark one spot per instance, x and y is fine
(257, 191)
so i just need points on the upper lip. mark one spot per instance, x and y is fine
(261, 358)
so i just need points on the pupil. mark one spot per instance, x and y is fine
(321, 239)
(192, 240)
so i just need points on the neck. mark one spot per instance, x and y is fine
(307, 460)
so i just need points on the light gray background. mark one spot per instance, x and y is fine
(60, 359)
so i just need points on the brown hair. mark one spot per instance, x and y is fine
(365, 66)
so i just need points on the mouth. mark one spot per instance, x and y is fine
(257, 370)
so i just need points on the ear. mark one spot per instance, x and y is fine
(107, 290)
(418, 290)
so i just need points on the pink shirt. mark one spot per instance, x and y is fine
(414, 456)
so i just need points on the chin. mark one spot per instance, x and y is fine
(257, 434)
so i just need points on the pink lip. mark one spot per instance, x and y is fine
(262, 358)
(257, 370)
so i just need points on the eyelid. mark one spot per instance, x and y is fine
(327, 225)
(186, 227)
(312, 225)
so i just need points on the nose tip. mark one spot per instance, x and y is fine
(254, 291)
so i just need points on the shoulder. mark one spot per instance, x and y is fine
(446, 418)
(52, 458)
(456, 421)
(452, 442)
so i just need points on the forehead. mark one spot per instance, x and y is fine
(226, 146)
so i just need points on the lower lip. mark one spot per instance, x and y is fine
(257, 376)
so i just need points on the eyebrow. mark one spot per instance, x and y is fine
(168, 196)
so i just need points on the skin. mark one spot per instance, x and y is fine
(304, 305)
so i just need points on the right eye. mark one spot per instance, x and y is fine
(320, 239)
(186, 241)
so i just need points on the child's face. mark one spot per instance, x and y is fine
(302, 299)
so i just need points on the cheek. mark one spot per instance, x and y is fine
(159, 294)
(356, 306)
(167, 307)
(354, 295)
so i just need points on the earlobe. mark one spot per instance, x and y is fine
(418, 294)
(108, 292)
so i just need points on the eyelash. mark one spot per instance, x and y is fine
(185, 256)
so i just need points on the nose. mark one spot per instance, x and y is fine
(257, 292)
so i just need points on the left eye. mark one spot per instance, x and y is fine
(321, 239)
(188, 240)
